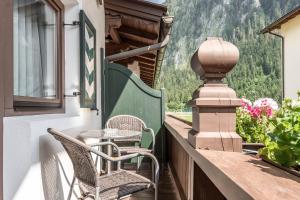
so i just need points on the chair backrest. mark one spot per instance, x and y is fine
(126, 122)
(83, 164)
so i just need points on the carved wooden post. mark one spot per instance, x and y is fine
(214, 103)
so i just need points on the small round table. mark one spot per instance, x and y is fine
(109, 135)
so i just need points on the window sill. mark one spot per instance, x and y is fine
(22, 111)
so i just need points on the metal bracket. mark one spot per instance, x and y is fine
(74, 23)
(75, 94)
(96, 109)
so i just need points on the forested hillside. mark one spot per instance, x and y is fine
(258, 73)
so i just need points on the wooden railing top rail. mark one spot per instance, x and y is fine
(237, 175)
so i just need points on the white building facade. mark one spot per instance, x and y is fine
(28, 153)
(288, 28)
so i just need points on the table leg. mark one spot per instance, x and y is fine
(109, 152)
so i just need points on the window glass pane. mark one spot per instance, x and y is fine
(35, 49)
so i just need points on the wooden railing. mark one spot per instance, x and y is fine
(208, 174)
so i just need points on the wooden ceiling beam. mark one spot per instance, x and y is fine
(144, 60)
(122, 63)
(146, 70)
(148, 55)
(112, 23)
(146, 66)
(134, 43)
(128, 60)
(119, 9)
(146, 76)
(143, 74)
(146, 79)
(125, 30)
(113, 48)
(115, 35)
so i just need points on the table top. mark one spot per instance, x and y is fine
(110, 134)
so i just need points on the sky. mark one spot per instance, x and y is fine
(157, 1)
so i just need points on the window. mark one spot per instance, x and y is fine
(37, 53)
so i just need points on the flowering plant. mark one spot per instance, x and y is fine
(253, 119)
(284, 144)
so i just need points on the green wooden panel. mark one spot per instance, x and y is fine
(125, 93)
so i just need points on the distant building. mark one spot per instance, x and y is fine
(288, 28)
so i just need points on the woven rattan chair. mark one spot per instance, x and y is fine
(120, 183)
(131, 123)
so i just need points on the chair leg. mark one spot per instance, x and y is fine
(71, 188)
(97, 193)
(139, 160)
(156, 192)
(153, 170)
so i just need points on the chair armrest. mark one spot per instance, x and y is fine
(113, 159)
(156, 164)
(106, 144)
(127, 157)
(150, 130)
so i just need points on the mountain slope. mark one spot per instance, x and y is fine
(258, 73)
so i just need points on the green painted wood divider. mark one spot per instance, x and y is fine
(124, 93)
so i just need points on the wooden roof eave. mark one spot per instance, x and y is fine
(167, 22)
(277, 24)
(147, 45)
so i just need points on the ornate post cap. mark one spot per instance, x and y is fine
(214, 104)
(214, 59)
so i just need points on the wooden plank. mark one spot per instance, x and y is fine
(179, 163)
(204, 188)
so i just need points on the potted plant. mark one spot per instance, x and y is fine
(282, 148)
(253, 122)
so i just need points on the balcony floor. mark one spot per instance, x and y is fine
(166, 188)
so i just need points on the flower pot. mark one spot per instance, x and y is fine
(289, 170)
(252, 147)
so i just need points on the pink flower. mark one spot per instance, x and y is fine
(255, 112)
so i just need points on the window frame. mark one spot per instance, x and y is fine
(25, 105)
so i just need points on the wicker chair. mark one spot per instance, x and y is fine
(120, 183)
(132, 123)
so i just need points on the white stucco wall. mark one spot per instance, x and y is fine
(291, 33)
(31, 156)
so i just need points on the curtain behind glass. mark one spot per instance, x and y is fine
(34, 49)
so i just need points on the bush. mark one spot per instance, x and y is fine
(284, 144)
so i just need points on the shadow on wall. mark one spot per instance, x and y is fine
(54, 173)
